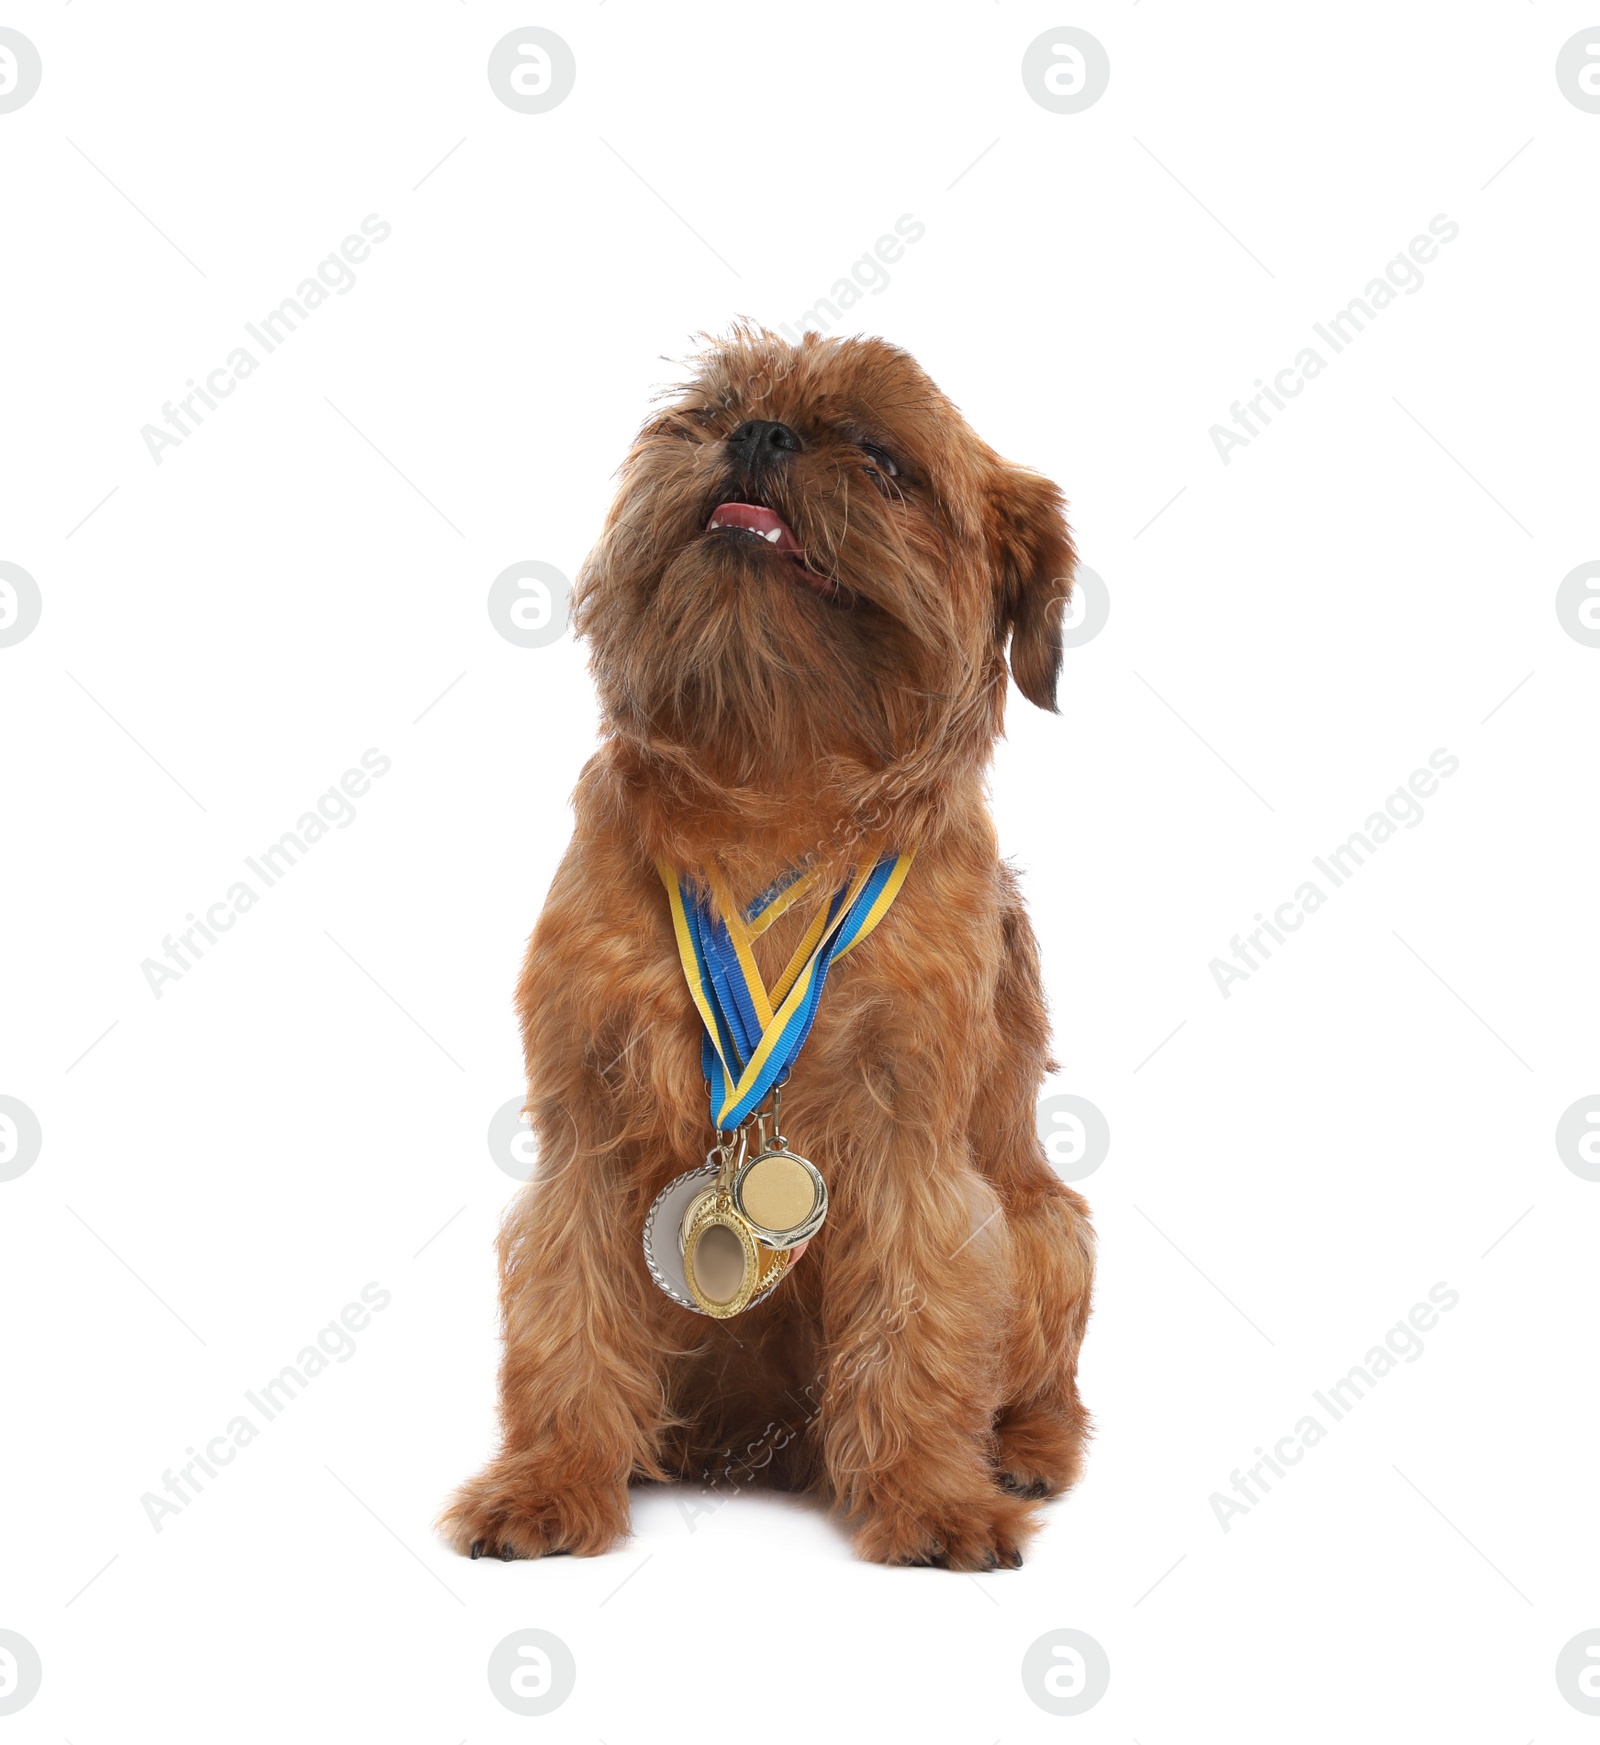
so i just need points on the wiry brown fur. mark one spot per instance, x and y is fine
(918, 1366)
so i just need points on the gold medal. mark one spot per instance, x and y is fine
(779, 1193)
(726, 1267)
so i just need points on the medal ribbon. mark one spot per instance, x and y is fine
(752, 1034)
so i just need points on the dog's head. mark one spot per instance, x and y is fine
(811, 556)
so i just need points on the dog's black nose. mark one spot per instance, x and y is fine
(762, 442)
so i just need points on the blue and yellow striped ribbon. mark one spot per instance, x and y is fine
(752, 1034)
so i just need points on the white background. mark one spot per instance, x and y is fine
(1290, 637)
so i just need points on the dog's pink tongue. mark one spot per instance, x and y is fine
(755, 519)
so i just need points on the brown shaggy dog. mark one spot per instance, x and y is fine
(820, 701)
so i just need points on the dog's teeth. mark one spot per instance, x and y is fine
(772, 535)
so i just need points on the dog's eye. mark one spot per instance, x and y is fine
(882, 460)
(685, 423)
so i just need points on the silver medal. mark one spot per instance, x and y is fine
(663, 1228)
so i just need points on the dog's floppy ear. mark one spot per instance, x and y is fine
(1034, 547)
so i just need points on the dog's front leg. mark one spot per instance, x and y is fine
(581, 1400)
(914, 1302)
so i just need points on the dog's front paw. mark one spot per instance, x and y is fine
(507, 1512)
(974, 1533)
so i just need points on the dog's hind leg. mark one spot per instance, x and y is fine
(1042, 1425)
(1042, 1428)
